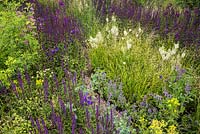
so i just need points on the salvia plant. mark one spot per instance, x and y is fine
(183, 25)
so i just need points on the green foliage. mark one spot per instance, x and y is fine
(130, 58)
(17, 42)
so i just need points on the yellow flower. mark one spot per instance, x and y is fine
(156, 126)
(39, 82)
(172, 130)
(173, 102)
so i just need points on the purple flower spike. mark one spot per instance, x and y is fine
(60, 125)
(44, 126)
(62, 105)
(20, 81)
(46, 86)
(187, 88)
(56, 81)
(81, 98)
(61, 3)
(64, 85)
(27, 76)
(88, 118)
(14, 89)
(81, 131)
(32, 121)
(73, 124)
(38, 126)
(97, 119)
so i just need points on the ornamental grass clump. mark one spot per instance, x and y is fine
(129, 56)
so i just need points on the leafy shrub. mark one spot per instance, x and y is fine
(18, 43)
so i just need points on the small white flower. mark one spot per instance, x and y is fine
(107, 20)
(124, 63)
(176, 46)
(125, 33)
(137, 35)
(114, 31)
(173, 51)
(140, 30)
(113, 18)
(183, 55)
(128, 44)
(130, 30)
(97, 40)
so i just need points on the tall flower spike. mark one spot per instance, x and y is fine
(73, 124)
(20, 81)
(88, 118)
(81, 98)
(38, 126)
(44, 126)
(27, 76)
(14, 89)
(97, 119)
(62, 105)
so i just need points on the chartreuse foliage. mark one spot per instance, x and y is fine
(17, 42)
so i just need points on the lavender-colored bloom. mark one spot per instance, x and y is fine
(92, 130)
(150, 110)
(87, 100)
(64, 85)
(60, 125)
(143, 104)
(62, 105)
(27, 76)
(44, 126)
(14, 88)
(70, 107)
(73, 124)
(82, 99)
(54, 50)
(20, 81)
(61, 3)
(187, 88)
(74, 79)
(88, 118)
(38, 126)
(80, 131)
(32, 121)
(166, 94)
(97, 119)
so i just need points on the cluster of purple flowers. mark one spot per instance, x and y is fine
(183, 25)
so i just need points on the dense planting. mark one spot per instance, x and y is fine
(99, 67)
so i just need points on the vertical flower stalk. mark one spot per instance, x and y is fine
(97, 119)
(38, 126)
(59, 124)
(20, 81)
(88, 118)
(81, 98)
(44, 126)
(14, 89)
(62, 105)
(64, 86)
(27, 76)
(73, 123)
(56, 81)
